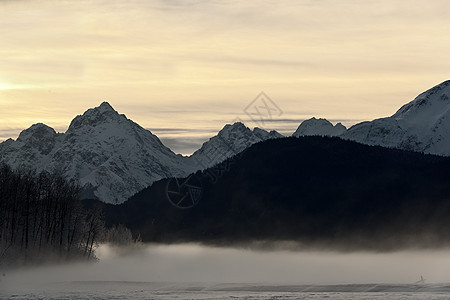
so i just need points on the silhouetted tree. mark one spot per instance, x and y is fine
(41, 218)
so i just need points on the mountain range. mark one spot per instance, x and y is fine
(422, 125)
(110, 155)
(113, 157)
(310, 191)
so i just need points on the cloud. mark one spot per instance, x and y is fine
(341, 60)
(185, 145)
(6, 133)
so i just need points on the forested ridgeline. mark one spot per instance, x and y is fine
(315, 191)
(42, 219)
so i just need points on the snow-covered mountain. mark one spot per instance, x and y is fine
(110, 155)
(113, 157)
(421, 125)
(231, 140)
(321, 127)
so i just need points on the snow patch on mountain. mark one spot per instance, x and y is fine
(422, 125)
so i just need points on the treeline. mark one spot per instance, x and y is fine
(316, 191)
(42, 219)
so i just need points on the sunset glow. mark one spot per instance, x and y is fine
(196, 64)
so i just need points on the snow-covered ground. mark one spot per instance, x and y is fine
(144, 290)
(197, 272)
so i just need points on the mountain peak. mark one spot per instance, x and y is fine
(231, 140)
(436, 99)
(265, 135)
(105, 106)
(39, 137)
(230, 130)
(104, 113)
(234, 126)
(420, 125)
(321, 127)
(38, 130)
(39, 126)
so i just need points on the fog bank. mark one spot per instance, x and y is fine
(195, 263)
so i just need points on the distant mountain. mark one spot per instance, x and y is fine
(110, 155)
(113, 157)
(231, 140)
(422, 125)
(320, 127)
(316, 191)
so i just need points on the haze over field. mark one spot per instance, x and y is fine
(196, 272)
(195, 263)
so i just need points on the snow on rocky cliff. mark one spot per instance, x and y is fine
(421, 125)
(110, 155)
(231, 140)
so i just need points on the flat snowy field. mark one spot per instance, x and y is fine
(144, 290)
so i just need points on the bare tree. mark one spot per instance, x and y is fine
(41, 217)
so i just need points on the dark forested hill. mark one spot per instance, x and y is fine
(313, 190)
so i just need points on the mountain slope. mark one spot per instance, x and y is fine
(110, 155)
(312, 190)
(422, 125)
(231, 140)
(320, 127)
(32, 148)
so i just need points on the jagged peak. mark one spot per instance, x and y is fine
(38, 126)
(39, 129)
(235, 127)
(97, 115)
(257, 129)
(105, 106)
(275, 132)
(241, 128)
(317, 121)
(319, 126)
(321, 121)
(265, 134)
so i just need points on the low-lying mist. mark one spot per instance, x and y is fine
(195, 263)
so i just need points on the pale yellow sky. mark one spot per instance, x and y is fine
(185, 68)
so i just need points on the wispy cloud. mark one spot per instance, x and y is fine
(341, 60)
(183, 145)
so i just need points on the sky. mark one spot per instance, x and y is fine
(183, 69)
